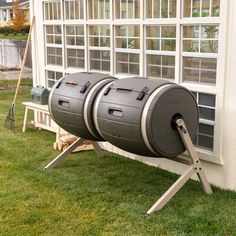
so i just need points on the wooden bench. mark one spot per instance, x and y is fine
(42, 118)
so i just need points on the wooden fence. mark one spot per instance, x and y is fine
(12, 52)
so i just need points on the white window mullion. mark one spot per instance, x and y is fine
(210, 8)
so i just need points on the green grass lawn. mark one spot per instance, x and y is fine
(87, 195)
(7, 83)
(14, 36)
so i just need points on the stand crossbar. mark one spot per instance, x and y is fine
(194, 167)
(69, 150)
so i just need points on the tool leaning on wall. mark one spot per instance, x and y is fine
(10, 119)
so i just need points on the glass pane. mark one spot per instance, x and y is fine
(117, 9)
(168, 32)
(121, 31)
(156, 8)
(210, 31)
(190, 46)
(134, 69)
(205, 8)
(148, 8)
(172, 8)
(153, 44)
(94, 41)
(208, 70)
(168, 61)
(196, 8)
(187, 8)
(191, 31)
(207, 113)
(191, 69)
(133, 57)
(121, 43)
(49, 29)
(133, 43)
(168, 73)
(209, 46)
(164, 8)
(154, 71)
(206, 129)
(79, 41)
(215, 8)
(167, 45)
(136, 9)
(206, 100)
(153, 31)
(58, 75)
(133, 31)
(205, 142)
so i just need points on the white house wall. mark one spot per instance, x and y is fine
(224, 174)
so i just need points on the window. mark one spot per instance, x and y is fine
(99, 47)
(199, 70)
(201, 8)
(127, 9)
(74, 9)
(52, 77)
(159, 66)
(98, 9)
(53, 44)
(160, 8)
(75, 35)
(200, 49)
(160, 51)
(100, 60)
(53, 34)
(75, 46)
(160, 38)
(205, 134)
(127, 63)
(99, 36)
(128, 37)
(52, 10)
(54, 56)
(200, 38)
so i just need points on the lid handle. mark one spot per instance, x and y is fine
(142, 93)
(85, 87)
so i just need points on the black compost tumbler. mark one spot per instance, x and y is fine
(135, 114)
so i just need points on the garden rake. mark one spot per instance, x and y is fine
(10, 122)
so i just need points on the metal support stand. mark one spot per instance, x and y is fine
(69, 150)
(195, 167)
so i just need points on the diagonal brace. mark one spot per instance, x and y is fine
(69, 150)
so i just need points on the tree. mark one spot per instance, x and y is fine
(19, 18)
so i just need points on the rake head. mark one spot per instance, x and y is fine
(10, 119)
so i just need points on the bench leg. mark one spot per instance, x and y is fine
(25, 119)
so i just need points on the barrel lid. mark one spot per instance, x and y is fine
(79, 83)
(138, 86)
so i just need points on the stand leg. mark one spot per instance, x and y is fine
(63, 155)
(195, 167)
(98, 149)
(165, 198)
(69, 150)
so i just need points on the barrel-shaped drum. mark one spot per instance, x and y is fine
(71, 102)
(137, 115)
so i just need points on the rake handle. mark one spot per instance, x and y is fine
(24, 60)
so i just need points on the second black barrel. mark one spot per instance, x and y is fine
(137, 115)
